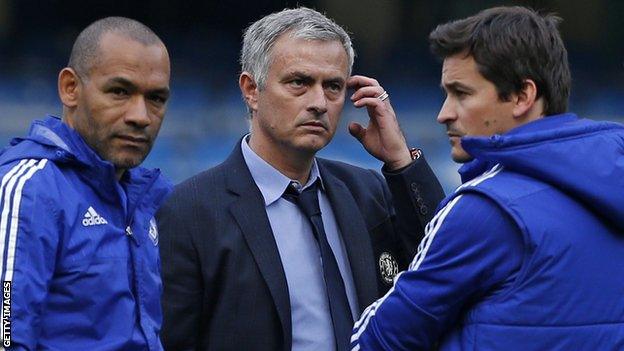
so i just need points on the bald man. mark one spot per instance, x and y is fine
(78, 242)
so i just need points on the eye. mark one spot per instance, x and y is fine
(158, 99)
(459, 94)
(118, 91)
(297, 83)
(335, 87)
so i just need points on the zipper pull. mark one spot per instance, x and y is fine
(131, 235)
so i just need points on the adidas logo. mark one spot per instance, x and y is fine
(92, 218)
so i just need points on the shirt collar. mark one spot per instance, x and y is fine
(271, 182)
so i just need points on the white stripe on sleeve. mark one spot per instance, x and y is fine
(17, 199)
(8, 184)
(430, 231)
(6, 189)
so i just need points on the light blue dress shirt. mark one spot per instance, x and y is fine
(301, 258)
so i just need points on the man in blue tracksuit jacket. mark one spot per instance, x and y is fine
(528, 253)
(78, 241)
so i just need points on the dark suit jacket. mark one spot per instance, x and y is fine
(224, 284)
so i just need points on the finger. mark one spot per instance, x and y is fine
(380, 113)
(372, 102)
(357, 130)
(357, 82)
(368, 91)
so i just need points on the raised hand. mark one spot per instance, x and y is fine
(382, 137)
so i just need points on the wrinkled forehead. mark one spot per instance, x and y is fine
(302, 52)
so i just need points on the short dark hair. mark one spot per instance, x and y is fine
(509, 45)
(85, 48)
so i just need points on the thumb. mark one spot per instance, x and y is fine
(357, 131)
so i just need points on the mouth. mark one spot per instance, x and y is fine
(315, 125)
(454, 137)
(135, 140)
(454, 134)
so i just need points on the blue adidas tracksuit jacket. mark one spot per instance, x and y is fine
(78, 249)
(527, 254)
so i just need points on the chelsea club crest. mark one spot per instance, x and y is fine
(153, 231)
(388, 267)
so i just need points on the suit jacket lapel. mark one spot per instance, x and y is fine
(250, 214)
(355, 236)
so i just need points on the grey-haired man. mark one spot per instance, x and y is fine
(276, 249)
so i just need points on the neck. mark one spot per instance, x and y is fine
(295, 165)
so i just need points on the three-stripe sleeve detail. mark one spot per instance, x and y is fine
(11, 189)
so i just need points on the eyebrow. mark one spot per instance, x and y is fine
(339, 80)
(126, 83)
(308, 78)
(121, 81)
(298, 74)
(455, 86)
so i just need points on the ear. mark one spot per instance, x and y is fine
(249, 89)
(525, 99)
(69, 87)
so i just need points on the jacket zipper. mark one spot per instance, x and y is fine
(130, 216)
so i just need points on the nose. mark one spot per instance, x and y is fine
(317, 102)
(137, 113)
(447, 112)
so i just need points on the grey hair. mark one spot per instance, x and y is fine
(301, 22)
(85, 49)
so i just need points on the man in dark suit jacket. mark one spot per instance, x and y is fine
(244, 267)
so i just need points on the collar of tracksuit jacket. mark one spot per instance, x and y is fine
(52, 139)
(582, 157)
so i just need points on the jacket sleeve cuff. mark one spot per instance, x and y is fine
(415, 184)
